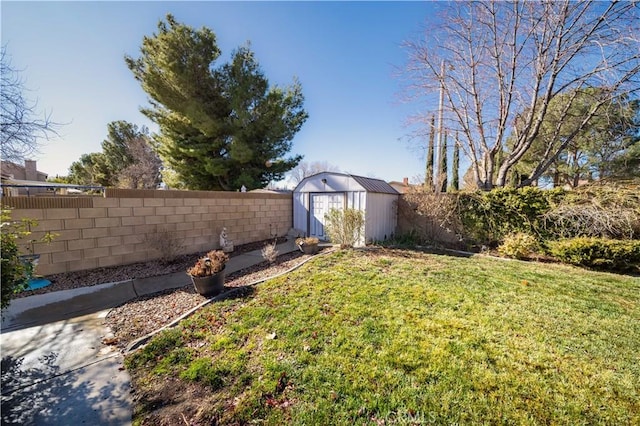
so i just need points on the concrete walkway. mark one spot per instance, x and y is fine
(62, 374)
(55, 369)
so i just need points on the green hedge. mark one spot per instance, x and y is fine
(488, 217)
(598, 253)
(599, 210)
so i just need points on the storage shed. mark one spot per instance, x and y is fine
(316, 195)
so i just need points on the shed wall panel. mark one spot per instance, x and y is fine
(381, 216)
(301, 211)
(357, 200)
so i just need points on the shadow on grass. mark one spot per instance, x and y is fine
(237, 293)
(405, 251)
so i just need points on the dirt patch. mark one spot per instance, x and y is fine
(174, 402)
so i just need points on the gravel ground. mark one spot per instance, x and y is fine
(142, 315)
(90, 277)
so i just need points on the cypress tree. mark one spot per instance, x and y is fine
(428, 178)
(455, 180)
(443, 165)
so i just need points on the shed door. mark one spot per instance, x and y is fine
(320, 206)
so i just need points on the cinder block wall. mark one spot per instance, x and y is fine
(124, 226)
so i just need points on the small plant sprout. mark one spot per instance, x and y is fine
(270, 252)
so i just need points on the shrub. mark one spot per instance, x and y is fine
(488, 217)
(430, 217)
(14, 276)
(344, 226)
(598, 253)
(166, 244)
(518, 245)
(597, 210)
(16, 271)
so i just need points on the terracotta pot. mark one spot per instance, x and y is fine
(211, 285)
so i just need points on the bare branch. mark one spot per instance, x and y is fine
(20, 129)
(305, 169)
(507, 61)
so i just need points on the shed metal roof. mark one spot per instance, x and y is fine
(375, 185)
(369, 184)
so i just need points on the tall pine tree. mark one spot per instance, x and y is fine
(220, 127)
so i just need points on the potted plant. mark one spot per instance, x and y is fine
(208, 273)
(308, 245)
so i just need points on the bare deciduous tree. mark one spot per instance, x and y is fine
(144, 170)
(500, 62)
(20, 129)
(304, 169)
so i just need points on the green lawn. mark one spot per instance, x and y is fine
(403, 337)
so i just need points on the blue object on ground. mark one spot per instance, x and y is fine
(36, 283)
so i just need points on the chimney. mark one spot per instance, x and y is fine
(405, 181)
(30, 172)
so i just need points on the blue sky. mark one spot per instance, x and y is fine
(345, 54)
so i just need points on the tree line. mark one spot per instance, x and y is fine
(530, 92)
(535, 90)
(221, 126)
